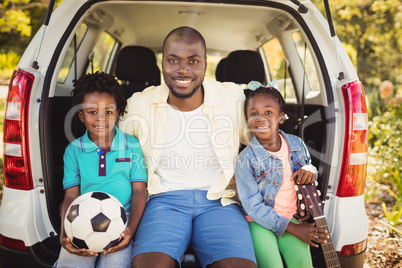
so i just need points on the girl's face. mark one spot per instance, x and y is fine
(264, 117)
(99, 114)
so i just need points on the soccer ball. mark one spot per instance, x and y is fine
(94, 221)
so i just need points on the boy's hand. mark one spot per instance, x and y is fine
(66, 243)
(138, 202)
(303, 176)
(124, 242)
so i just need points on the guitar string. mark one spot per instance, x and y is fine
(331, 255)
(333, 261)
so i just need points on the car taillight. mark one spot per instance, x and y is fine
(17, 173)
(12, 243)
(353, 249)
(354, 163)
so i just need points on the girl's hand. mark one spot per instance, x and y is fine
(66, 243)
(303, 176)
(126, 236)
(302, 216)
(306, 232)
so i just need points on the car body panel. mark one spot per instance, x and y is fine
(30, 215)
(26, 218)
(348, 211)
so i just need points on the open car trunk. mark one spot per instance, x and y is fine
(97, 34)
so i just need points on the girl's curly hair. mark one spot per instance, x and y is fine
(101, 83)
(265, 90)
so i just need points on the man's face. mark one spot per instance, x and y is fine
(184, 64)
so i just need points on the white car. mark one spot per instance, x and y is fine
(285, 43)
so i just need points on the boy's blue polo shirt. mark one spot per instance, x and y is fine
(111, 171)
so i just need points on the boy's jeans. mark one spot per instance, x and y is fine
(119, 259)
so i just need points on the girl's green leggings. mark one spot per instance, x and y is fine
(268, 248)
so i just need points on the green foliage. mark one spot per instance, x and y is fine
(13, 19)
(8, 63)
(16, 21)
(371, 192)
(385, 141)
(19, 21)
(2, 107)
(374, 29)
(376, 106)
(395, 216)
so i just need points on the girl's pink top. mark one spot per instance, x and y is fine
(286, 199)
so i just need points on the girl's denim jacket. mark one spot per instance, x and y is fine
(259, 176)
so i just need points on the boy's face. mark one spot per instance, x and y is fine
(99, 114)
(264, 117)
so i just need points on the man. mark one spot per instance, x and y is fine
(189, 129)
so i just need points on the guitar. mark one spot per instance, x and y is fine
(315, 206)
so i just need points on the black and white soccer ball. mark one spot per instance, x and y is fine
(94, 221)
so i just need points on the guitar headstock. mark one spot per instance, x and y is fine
(311, 197)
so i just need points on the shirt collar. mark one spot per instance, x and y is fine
(292, 144)
(162, 95)
(211, 94)
(260, 151)
(119, 142)
(86, 144)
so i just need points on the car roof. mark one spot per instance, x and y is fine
(146, 23)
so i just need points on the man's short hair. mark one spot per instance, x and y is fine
(186, 31)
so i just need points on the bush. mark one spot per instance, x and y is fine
(8, 63)
(385, 143)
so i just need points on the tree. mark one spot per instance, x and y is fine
(19, 20)
(14, 21)
(374, 30)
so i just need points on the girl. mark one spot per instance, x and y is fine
(104, 159)
(265, 174)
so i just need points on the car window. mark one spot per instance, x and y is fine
(278, 71)
(68, 59)
(102, 52)
(212, 61)
(307, 61)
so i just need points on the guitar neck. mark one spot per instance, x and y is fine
(314, 205)
(330, 255)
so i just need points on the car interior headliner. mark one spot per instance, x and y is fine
(225, 27)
